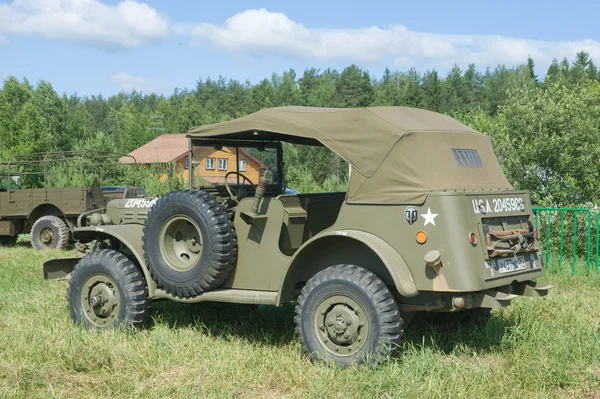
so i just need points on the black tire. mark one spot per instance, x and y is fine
(113, 275)
(364, 293)
(8, 240)
(213, 233)
(50, 232)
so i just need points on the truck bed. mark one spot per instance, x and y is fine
(71, 201)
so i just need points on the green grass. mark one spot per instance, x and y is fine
(537, 348)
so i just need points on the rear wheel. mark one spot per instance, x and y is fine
(346, 314)
(50, 232)
(106, 290)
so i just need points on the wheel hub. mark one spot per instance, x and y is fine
(181, 243)
(100, 299)
(47, 236)
(341, 325)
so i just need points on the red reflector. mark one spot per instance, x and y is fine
(473, 238)
(537, 234)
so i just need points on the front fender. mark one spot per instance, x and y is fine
(396, 266)
(129, 235)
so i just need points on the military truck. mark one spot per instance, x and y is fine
(46, 212)
(429, 224)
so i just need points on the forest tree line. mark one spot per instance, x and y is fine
(545, 129)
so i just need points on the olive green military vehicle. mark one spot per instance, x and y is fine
(429, 224)
(46, 212)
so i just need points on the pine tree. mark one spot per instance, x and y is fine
(592, 71)
(412, 93)
(432, 91)
(531, 69)
(578, 73)
(354, 88)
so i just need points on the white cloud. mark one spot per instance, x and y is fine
(264, 33)
(128, 82)
(108, 27)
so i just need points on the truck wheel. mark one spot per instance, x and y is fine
(347, 314)
(50, 232)
(189, 243)
(106, 290)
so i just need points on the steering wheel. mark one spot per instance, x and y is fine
(231, 191)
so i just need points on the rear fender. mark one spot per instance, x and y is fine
(397, 268)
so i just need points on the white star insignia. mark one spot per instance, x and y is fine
(429, 217)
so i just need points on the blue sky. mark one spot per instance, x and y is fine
(92, 46)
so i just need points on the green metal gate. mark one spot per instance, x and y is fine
(557, 218)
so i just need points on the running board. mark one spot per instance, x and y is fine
(225, 295)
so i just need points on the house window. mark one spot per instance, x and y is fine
(222, 163)
(187, 162)
(242, 165)
(210, 164)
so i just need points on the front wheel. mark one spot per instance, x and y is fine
(346, 313)
(106, 290)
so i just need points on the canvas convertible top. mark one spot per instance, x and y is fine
(398, 154)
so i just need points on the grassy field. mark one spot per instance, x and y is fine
(538, 348)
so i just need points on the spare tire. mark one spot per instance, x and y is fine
(189, 243)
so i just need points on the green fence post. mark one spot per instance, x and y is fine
(574, 265)
(589, 240)
(562, 224)
(548, 233)
(597, 238)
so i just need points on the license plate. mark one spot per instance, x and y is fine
(512, 264)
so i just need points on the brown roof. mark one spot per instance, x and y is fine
(166, 148)
(162, 149)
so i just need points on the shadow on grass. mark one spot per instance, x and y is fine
(261, 324)
(465, 336)
(270, 325)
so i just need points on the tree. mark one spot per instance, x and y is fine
(354, 89)
(412, 91)
(531, 68)
(307, 85)
(432, 91)
(472, 91)
(453, 93)
(553, 74)
(579, 72)
(286, 89)
(592, 71)
(547, 140)
(387, 91)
